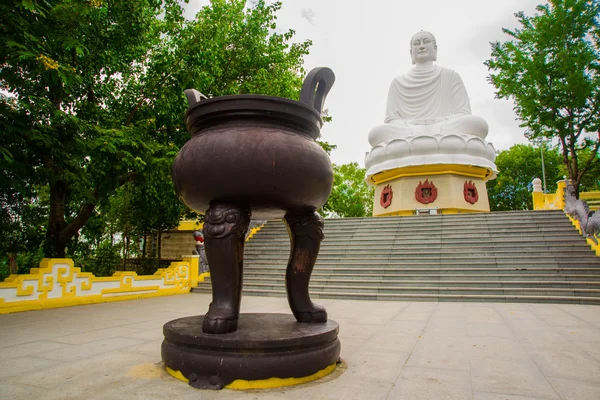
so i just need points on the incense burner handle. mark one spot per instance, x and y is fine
(316, 85)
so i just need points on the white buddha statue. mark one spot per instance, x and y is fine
(427, 100)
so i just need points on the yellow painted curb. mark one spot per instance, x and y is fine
(435, 169)
(177, 374)
(270, 383)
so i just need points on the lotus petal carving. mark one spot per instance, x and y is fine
(423, 149)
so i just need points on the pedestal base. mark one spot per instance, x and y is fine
(437, 189)
(267, 350)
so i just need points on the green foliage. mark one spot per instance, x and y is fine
(106, 260)
(91, 107)
(517, 167)
(328, 147)
(551, 68)
(350, 195)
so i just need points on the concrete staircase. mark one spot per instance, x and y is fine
(506, 256)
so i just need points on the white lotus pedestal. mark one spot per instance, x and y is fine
(436, 174)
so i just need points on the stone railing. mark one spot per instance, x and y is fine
(551, 201)
(580, 211)
(58, 283)
(556, 201)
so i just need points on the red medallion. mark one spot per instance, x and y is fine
(426, 192)
(386, 196)
(470, 192)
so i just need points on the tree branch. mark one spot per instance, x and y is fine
(85, 212)
(137, 106)
(591, 159)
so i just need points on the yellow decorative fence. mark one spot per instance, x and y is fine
(58, 283)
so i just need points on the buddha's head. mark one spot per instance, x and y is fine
(423, 48)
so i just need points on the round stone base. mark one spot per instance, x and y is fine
(267, 350)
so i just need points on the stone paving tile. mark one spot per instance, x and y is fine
(485, 329)
(28, 334)
(575, 389)
(351, 346)
(33, 348)
(540, 338)
(406, 327)
(156, 323)
(416, 383)
(515, 377)
(23, 366)
(528, 325)
(486, 347)
(447, 324)
(591, 348)
(87, 323)
(546, 309)
(12, 391)
(584, 312)
(451, 310)
(441, 352)
(376, 366)
(390, 342)
(82, 374)
(375, 319)
(483, 314)
(151, 348)
(563, 319)
(509, 306)
(578, 334)
(348, 387)
(90, 349)
(92, 336)
(570, 364)
(356, 331)
(412, 316)
(499, 396)
(151, 334)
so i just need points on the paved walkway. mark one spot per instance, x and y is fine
(391, 350)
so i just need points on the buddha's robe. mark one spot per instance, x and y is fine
(428, 100)
(427, 94)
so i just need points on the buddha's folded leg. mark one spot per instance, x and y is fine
(467, 124)
(397, 129)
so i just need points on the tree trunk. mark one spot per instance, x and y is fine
(145, 241)
(12, 263)
(59, 232)
(159, 250)
(575, 184)
(55, 242)
(126, 249)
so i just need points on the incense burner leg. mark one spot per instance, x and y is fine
(225, 226)
(306, 233)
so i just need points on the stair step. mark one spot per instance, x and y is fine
(508, 256)
(434, 297)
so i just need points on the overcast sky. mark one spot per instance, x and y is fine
(366, 44)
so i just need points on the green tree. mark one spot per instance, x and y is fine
(517, 167)
(350, 195)
(95, 91)
(551, 68)
(63, 64)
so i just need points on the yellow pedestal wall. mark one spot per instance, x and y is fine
(450, 198)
